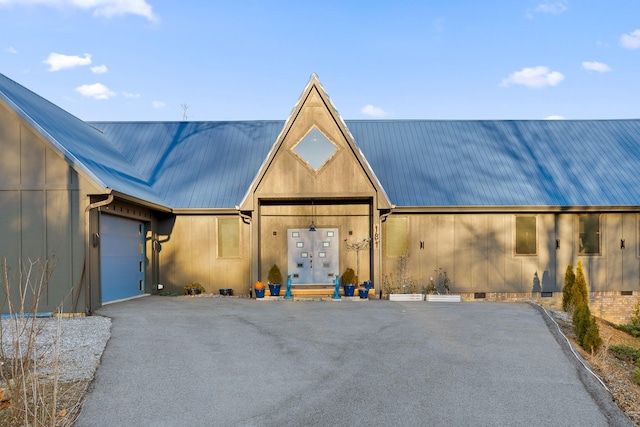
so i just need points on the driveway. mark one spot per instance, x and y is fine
(240, 362)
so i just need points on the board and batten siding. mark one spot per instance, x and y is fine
(478, 252)
(191, 253)
(42, 203)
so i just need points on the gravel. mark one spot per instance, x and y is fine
(82, 341)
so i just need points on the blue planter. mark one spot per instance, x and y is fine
(364, 293)
(349, 290)
(274, 289)
(259, 293)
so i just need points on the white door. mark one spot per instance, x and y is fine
(313, 255)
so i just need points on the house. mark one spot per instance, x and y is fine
(502, 206)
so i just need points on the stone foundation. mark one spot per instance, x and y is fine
(608, 305)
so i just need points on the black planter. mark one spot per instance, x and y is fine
(226, 291)
(274, 289)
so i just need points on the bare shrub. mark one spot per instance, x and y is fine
(30, 368)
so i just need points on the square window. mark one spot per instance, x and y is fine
(329, 233)
(304, 255)
(299, 244)
(326, 244)
(295, 234)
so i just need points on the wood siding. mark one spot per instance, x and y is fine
(42, 203)
(478, 252)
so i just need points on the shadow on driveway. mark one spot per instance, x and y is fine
(239, 362)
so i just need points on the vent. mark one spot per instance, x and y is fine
(626, 293)
(546, 294)
(479, 295)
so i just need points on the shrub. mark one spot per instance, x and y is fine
(348, 277)
(591, 340)
(635, 317)
(580, 293)
(625, 352)
(274, 276)
(631, 329)
(636, 376)
(581, 319)
(567, 291)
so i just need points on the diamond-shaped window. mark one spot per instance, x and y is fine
(315, 149)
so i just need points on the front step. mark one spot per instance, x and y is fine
(313, 292)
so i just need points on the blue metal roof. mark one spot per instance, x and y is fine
(421, 163)
(195, 164)
(563, 163)
(82, 145)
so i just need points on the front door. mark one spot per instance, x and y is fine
(313, 255)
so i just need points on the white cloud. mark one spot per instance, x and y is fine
(58, 61)
(95, 91)
(158, 104)
(555, 117)
(99, 69)
(131, 95)
(373, 111)
(631, 40)
(107, 8)
(536, 77)
(596, 66)
(555, 8)
(10, 49)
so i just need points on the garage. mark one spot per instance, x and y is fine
(122, 254)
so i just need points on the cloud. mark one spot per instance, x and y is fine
(596, 66)
(550, 7)
(631, 40)
(58, 61)
(372, 111)
(10, 49)
(131, 95)
(536, 77)
(95, 91)
(99, 69)
(555, 117)
(158, 104)
(554, 8)
(107, 8)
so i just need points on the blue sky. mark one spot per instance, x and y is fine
(139, 60)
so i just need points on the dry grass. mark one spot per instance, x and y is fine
(615, 373)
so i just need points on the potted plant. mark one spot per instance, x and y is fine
(348, 281)
(193, 288)
(259, 289)
(275, 280)
(364, 292)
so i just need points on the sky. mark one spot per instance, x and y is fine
(209, 60)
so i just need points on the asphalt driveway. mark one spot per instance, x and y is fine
(240, 362)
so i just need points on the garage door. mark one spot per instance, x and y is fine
(122, 257)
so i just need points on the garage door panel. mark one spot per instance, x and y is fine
(122, 258)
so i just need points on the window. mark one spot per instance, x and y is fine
(228, 237)
(397, 236)
(526, 235)
(589, 234)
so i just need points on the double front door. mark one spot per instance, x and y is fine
(313, 255)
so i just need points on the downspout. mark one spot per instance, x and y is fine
(247, 220)
(87, 249)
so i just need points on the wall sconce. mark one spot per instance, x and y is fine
(557, 243)
(621, 243)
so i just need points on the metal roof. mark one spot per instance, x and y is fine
(420, 163)
(195, 165)
(83, 146)
(566, 163)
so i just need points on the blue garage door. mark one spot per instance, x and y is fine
(123, 257)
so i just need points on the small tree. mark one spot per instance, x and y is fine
(348, 277)
(274, 276)
(567, 291)
(580, 293)
(581, 319)
(591, 340)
